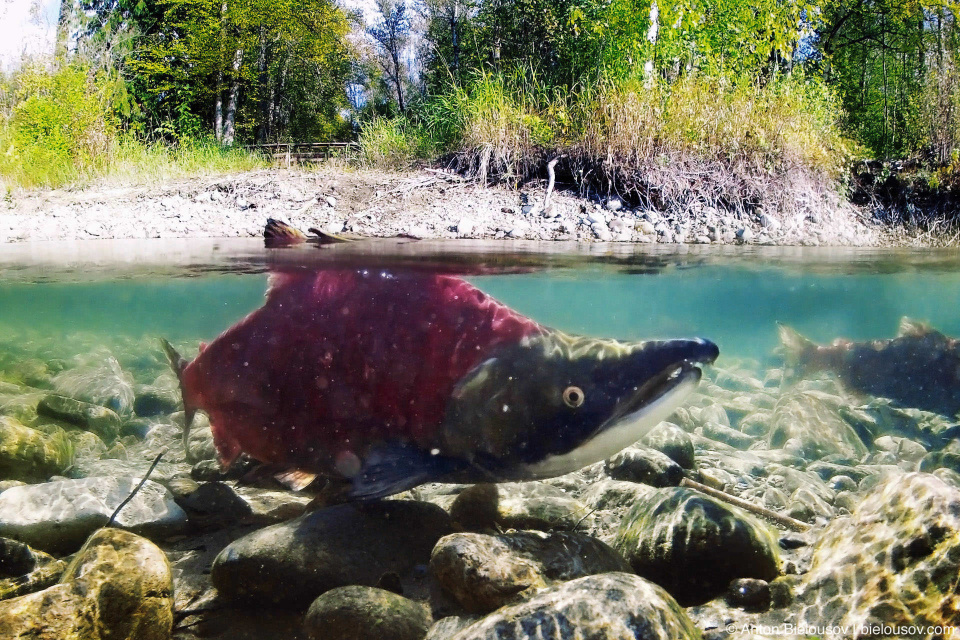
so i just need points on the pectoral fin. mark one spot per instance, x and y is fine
(394, 467)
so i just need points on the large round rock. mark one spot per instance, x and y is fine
(895, 561)
(484, 572)
(349, 544)
(58, 516)
(362, 613)
(118, 586)
(694, 546)
(610, 606)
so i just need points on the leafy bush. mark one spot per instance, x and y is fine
(62, 125)
(393, 143)
(55, 125)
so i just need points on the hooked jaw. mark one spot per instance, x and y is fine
(675, 368)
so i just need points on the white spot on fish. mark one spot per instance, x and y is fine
(347, 464)
(434, 452)
(506, 408)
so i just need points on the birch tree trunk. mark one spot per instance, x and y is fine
(229, 130)
(218, 110)
(652, 32)
(64, 21)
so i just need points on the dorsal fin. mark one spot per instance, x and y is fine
(796, 348)
(277, 233)
(914, 328)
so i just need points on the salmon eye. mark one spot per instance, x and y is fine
(573, 397)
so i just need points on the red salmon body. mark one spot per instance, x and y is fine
(339, 360)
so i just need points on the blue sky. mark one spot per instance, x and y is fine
(26, 26)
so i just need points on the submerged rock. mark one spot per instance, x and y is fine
(349, 544)
(119, 586)
(99, 379)
(151, 402)
(613, 494)
(211, 504)
(816, 425)
(749, 593)
(727, 435)
(58, 516)
(610, 606)
(693, 546)
(31, 455)
(364, 613)
(24, 570)
(672, 441)
(485, 572)
(100, 420)
(894, 561)
(517, 505)
(645, 465)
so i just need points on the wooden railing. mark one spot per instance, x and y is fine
(297, 152)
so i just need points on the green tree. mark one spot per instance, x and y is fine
(263, 69)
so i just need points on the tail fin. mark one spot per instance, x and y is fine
(280, 234)
(178, 364)
(799, 353)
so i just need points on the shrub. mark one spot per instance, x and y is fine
(393, 143)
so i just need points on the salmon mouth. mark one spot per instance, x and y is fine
(658, 390)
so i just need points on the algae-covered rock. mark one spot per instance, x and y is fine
(348, 544)
(24, 570)
(100, 420)
(119, 586)
(31, 455)
(484, 572)
(815, 422)
(610, 606)
(58, 516)
(894, 561)
(693, 546)
(364, 613)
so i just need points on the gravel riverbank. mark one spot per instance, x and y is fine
(425, 204)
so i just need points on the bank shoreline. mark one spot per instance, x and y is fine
(427, 203)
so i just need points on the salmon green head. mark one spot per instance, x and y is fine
(554, 403)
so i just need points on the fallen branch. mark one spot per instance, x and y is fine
(763, 512)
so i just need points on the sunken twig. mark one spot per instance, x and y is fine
(763, 512)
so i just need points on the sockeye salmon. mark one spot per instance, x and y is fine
(919, 368)
(383, 380)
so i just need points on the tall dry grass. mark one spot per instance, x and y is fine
(733, 145)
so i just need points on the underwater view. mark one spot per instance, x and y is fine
(389, 440)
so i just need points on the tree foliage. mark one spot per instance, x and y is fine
(255, 70)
